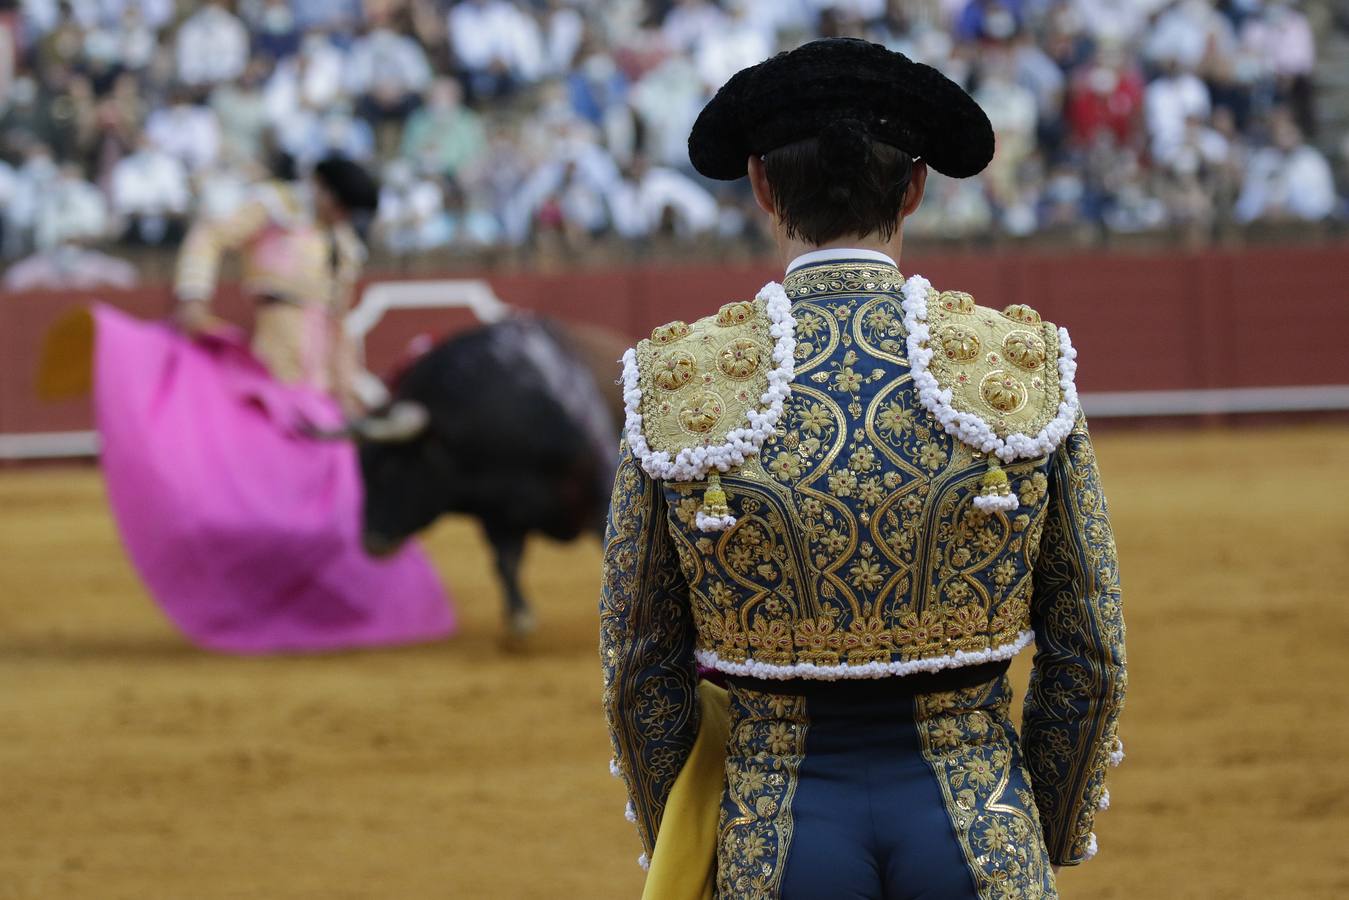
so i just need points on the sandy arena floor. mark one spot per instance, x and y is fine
(132, 766)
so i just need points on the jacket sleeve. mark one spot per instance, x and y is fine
(646, 648)
(1078, 678)
(205, 244)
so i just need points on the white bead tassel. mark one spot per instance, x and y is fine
(997, 504)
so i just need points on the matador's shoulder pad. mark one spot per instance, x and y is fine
(1002, 382)
(707, 395)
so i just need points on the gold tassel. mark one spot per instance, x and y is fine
(714, 496)
(995, 483)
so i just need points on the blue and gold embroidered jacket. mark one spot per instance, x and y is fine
(923, 496)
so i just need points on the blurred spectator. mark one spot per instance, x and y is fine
(276, 30)
(1176, 96)
(1188, 34)
(69, 209)
(1287, 181)
(212, 46)
(498, 45)
(240, 108)
(689, 23)
(189, 131)
(1105, 98)
(1279, 39)
(444, 135)
(1012, 110)
(312, 79)
(150, 195)
(386, 72)
(656, 197)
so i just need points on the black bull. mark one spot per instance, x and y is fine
(514, 423)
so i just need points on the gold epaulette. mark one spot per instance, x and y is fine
(699, 382)
(1000, 366)
(1001, 382)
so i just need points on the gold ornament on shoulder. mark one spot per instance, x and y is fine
(701, 412)
(739, 359)
(958, 343)
(674, 370)
(956, 302)
(1025, 349)
(1020, 312)
(1002, 391)
(668, 334)
(735, 313)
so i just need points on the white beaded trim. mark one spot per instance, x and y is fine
(644, 861)
(753, 669)
(630, 813)
(968, 427)
(614, 770)
(1091, 847)
(1005, 503)
(1104, 803)
(1117, 753)
(713, 523)
(692, 463)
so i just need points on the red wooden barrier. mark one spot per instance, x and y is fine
(1267, 316)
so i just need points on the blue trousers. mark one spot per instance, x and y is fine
(862, 791)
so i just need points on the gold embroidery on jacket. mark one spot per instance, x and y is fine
(767, 747)
(971, 746)
(856, 539)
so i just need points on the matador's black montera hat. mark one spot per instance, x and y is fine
(350, 183)
(803, 93)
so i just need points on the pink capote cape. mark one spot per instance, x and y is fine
(245, 530)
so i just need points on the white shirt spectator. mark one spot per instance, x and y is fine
(582, 173)
(724, 52)
(1279, 183)
(1116, 22)
(640, 207)
(1282, 40)
(191, 133)
(70, 209)
(149, 182)
(1185, 32)
(1167, 104)
(566, 28)
(212, 47)
(669, 99)
(31, 183)
(488, 32)
(384, 58)
(311, 79)
(780, 15)
(689, 23)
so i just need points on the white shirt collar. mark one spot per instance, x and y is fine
(815, 257)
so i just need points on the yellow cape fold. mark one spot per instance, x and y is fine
(684, 861)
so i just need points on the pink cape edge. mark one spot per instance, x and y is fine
(245, 530)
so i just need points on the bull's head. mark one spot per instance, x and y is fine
(405, 470)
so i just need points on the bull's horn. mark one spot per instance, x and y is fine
(401, 422)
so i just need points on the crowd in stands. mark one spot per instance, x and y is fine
(506, 123)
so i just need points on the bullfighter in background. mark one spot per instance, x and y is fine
(301, 258)
(855, 497)
(245, 527)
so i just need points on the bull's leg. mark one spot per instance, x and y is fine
(510, 550)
